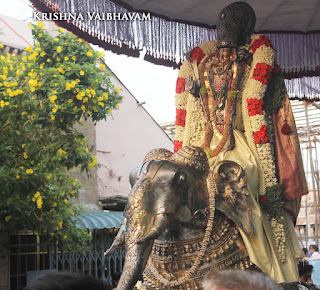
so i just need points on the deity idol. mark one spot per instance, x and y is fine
(231, 101)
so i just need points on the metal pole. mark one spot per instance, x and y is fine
(312, 175)
(308, 227)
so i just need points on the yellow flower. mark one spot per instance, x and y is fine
(42, 53)
(18, 176)
(54, 204)
(102, 67)
(7, 218)
(54, 110)
(117, 106)
(93, 162)
(69, 86)
(56, 39)
(59, 49)
(48, 60)
(37, 194)
(65, 236)
(53, 117)
(29, 49)
(105, 96)
(29, 171)
(89, 53)
(69, 101)
(72, 212)
(81, 72)
(62, 152)
(66, 58)
(25, 155)
(61, 30)
(117, 90)
(1, 45)
(39, 202)
(74, 58)
(65, 201)
(40, 24)
(53, 98)
(80, 40)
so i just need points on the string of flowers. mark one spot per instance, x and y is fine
(213, 190)
(256, 130)
(254, 86)
(194, 122)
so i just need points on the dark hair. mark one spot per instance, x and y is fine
(239, 280)
(315, 247)
(66, 281)
(305, 250)
(304, 268)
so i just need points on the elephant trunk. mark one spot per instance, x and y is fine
(138, 251)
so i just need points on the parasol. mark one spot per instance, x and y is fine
(167, 29)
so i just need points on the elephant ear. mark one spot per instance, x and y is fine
(233, 193)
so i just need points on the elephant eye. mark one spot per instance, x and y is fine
(180, 177)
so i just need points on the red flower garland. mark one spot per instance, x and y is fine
(262, 73)
(181, 117)
(180, 87)
(262, 40)
(254, 106)
(177, 146)
(261, 137)
(196, 54)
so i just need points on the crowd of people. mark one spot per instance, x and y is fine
(309, 272)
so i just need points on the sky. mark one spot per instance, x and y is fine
(149, 83)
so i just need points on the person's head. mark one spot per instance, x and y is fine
(305, 251)
(239, 280)
(313, 248)
(305, 271)
(66, 281)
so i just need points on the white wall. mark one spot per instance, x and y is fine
(123, 141)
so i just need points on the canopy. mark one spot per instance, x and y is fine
(174, 27)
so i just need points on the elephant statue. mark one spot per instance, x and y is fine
(182, 220)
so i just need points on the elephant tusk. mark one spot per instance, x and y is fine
(152, 235)
(161, 223)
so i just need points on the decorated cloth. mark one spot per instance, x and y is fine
(265, 145)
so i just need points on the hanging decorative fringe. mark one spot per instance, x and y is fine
(305, 88)
(166, 42)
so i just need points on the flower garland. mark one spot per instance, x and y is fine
(257, 104)
(190, 126)
(256, 130)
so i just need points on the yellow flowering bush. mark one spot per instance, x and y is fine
(43, 94)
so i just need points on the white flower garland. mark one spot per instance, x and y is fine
(263, 153)
(267, 170)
